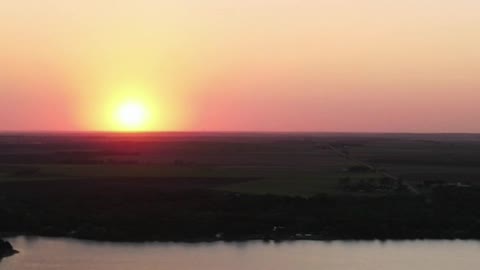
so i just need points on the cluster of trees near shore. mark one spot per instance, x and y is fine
(122, 213)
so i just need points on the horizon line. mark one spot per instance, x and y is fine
(2, 132)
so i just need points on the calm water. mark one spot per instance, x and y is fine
(48, 253)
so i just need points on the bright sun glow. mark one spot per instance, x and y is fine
(132, 116)
(135, 107)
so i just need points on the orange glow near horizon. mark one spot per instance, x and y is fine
(215, 65)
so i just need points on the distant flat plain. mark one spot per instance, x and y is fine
(295, 164)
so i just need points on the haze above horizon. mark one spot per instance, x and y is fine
(213, 65)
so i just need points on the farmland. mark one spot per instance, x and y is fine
(282, 164)
(285, 165)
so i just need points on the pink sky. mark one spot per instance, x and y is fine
(214, 65)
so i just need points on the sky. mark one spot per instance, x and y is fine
(251, 65)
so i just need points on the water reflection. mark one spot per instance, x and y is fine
(51, 253)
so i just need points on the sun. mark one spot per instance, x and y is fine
(132, 116)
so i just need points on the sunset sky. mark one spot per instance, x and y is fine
(251, 65)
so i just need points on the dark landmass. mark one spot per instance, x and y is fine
(240, 187)
(6, 249)
(143, 211)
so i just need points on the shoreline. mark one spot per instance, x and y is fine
(200, 240)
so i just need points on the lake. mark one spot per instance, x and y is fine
(41, 253)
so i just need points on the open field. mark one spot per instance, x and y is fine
(424, 158)
(280, 164)
(284, 164)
